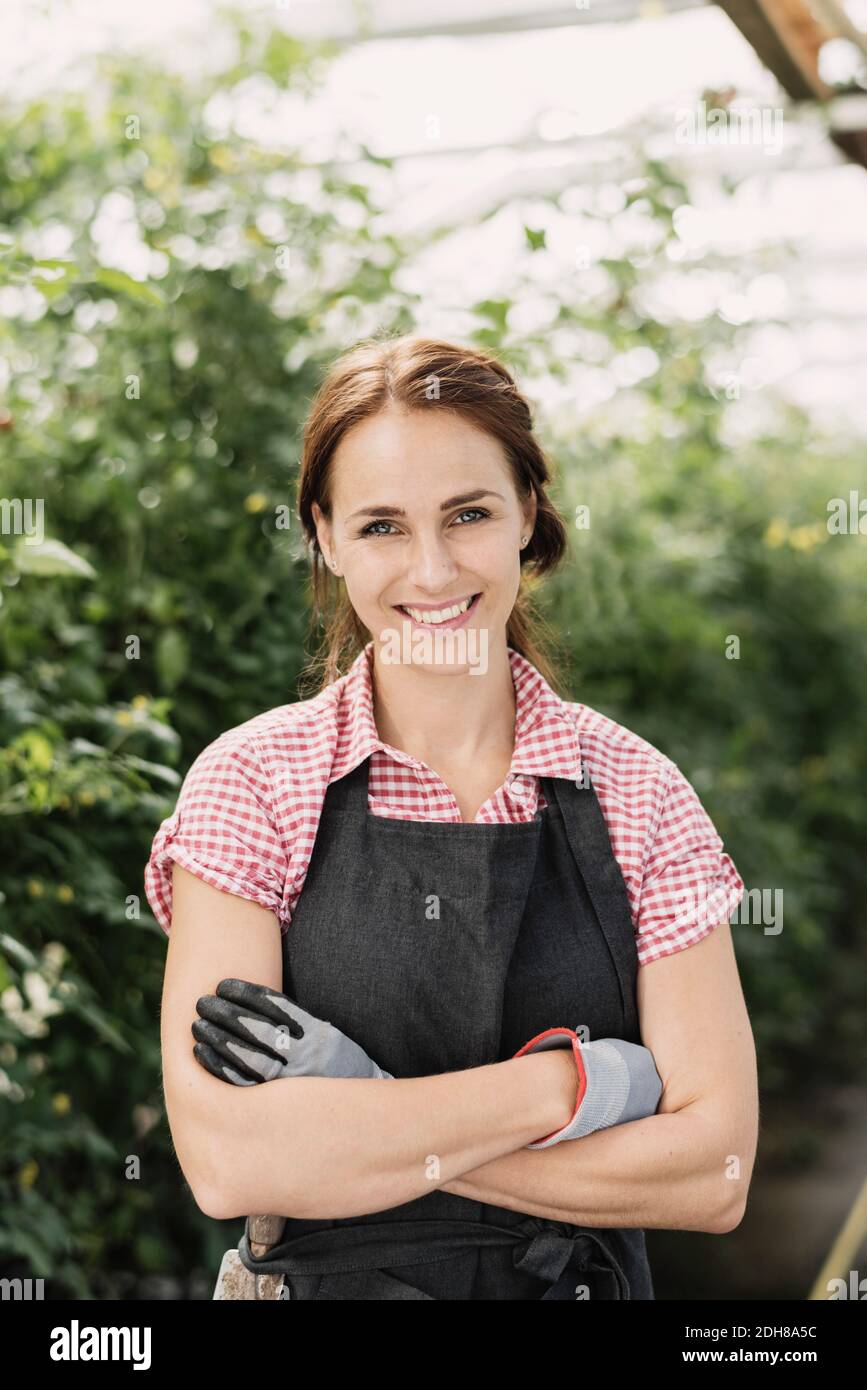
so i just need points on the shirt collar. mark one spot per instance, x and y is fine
(546, 732)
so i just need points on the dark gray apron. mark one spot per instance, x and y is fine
(439, 947)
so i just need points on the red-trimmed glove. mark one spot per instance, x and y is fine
(617, 1082)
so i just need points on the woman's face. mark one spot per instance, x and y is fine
(425, 519)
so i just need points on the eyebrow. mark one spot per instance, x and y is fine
(460, 501)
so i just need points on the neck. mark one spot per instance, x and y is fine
(445, 719)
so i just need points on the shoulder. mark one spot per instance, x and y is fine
(624, 767)
(647, 799)
(292, 738)
(246, 815)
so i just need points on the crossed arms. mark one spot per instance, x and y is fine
(321, 1147)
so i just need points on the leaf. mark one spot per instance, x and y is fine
(172, 657)
(159, 770)
(494, 309)
(98, 1022)
(122, 283)
(52, 289)
(386, 161)
(86, 749)
(36, 748)
(51, 557)
(52, 276)
(18, 952)
(143, 724)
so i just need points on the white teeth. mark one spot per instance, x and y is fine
(437, 615)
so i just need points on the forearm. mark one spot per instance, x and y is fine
(326, 1148)
(667, 1171)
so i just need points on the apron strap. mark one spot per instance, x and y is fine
(349, 793)
(590, 843)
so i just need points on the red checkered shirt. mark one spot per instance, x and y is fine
(248, 810)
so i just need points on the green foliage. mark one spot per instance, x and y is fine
(688, 549)
(159, 418)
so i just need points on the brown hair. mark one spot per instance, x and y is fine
(364, 381)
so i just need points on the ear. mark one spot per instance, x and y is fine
(529, 509)
(323, 530)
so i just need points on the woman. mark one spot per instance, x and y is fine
(505, 907)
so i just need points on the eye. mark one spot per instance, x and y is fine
(474, 513)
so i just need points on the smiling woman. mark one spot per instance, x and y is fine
(459, 524)
(476, 891)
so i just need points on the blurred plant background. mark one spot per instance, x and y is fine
(157, 411)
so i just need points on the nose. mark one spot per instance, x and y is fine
(432, 567)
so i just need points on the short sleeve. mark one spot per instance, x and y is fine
(222, 830)
(690, 884)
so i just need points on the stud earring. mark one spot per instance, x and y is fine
(524, 540)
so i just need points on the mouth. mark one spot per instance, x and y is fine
(449, 615)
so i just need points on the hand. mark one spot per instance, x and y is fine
(251, 1033)
(617, 1082)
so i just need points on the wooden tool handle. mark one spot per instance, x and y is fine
(265, 1231)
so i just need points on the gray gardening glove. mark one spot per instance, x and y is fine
(617, 1082)
(250, 1033)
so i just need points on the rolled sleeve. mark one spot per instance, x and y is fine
(690, 884)
(222, 830)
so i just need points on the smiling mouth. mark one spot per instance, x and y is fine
(432, 617)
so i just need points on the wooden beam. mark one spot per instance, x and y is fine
(787, 36)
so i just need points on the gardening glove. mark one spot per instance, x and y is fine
(250, 1033)
(617, 1082)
